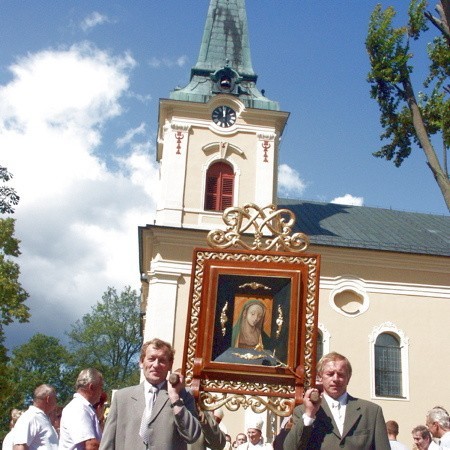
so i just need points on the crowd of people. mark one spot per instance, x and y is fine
(161, 414)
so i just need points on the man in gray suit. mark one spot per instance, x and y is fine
(336, 419)
(156, 414)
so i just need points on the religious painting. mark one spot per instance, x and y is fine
(252, 319)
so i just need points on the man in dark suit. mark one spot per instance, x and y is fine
(336, 420)
(156, 414)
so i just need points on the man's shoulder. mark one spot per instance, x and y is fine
(29, 414)
(445, 439)
(130, 390)
(395, 445)
(362, 403)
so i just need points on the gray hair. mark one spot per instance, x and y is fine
(439, 415)
(86, 377)
(43, 391)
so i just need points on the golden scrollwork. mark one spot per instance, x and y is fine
(260, 388)
(254, 285)
(250, 356)
(280, 406)
(275, 224)
(279, 321)
(224, 318)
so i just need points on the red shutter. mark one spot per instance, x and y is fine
(227, 191)
(219, 187)
(211, 192)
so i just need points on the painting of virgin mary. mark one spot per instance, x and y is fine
(248, 331)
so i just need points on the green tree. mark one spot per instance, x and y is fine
(12, 295)
(43, 359)
(8, 196)
(408, 119)
(109, 337)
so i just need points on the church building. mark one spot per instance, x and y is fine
(384, 298)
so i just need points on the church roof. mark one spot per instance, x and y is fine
(225, 52)
(371, 228)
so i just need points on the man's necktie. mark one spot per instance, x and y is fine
(337, 408)
(143, 430)
(337, 413)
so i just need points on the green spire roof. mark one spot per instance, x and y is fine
(224, 64)
(225, 39)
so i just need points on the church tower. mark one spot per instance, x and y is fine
(219, 136)
(217, 146)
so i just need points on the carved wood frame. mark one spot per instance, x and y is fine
(279, 386)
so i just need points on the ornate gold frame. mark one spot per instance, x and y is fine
(278, 387)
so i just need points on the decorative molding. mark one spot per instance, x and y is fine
(355, 286)
(224, 149)
(265, 136)
(180, 126)
(388, 327)
(382, 287)
(266, 145)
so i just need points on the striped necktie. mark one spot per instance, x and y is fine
(143, 430)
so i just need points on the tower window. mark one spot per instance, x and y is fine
(219, 187)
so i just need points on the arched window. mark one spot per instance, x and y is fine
(388, 366)
(389, 349)
(219, 187)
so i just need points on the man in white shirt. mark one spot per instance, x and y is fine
(80, 428)
(438, 422)
(392, 431)
(34, 429)
(336, 419)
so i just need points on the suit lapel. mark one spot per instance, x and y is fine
(328, 413)
(138, 398)
(352, 414)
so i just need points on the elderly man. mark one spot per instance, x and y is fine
(438, 422)
(34, 429)
(422, 439)
(255, 439)
(80, 427)
(336, 420)
(155, 414)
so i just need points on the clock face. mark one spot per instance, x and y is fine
(224, 116)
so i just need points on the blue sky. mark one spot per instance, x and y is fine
(79, 89)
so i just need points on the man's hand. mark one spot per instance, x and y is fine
(174, 386)
(91, 444)
(310, 404)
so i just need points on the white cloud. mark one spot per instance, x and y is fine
(348, 199)
(76, 220)
(130, 135)
(289, 182)
(156, 63)
(92, 20)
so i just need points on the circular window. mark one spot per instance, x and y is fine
(349, 297)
